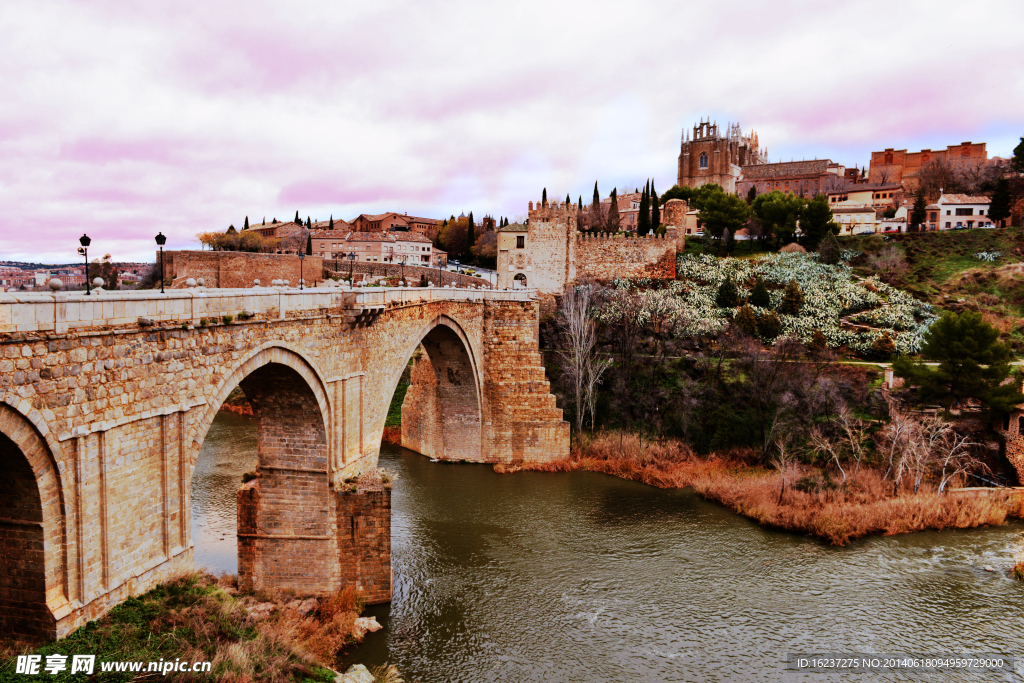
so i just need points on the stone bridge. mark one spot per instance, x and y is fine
(106, 399)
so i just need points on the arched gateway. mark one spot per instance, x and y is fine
(110, 397)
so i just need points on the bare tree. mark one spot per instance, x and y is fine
(582, 368)
(889, 263)
(854, 433)
(785, 462)
(831, 450)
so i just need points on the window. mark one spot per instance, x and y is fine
(981, 212)
(703, 159)
(965, 212)
(947, 212)
(947, 224)
(1020, 424)
(520, 241)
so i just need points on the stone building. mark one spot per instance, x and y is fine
(802, 178)
(374, 247)
(878, 195)
(900, 166)
(393, 220)
(714, 158)
(549, 252)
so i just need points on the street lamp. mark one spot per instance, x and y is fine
(440, 277)
(403, 259)
(458, 280)
(161, 240)
(351, 263)
(84, 251)
(302, 257)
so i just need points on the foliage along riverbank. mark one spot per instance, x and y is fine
(265, 636)
(799, 500)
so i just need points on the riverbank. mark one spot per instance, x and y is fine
(265, 636)
(832, 513)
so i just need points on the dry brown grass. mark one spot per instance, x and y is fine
(392, 435)
(836, 515)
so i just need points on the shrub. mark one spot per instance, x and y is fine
(203, 322)
(228, 319)
(769, 326)
(884, 346)
(248, 476)
(746, 320)
(829, 251)
(792, 299)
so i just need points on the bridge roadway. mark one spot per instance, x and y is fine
(105, 401)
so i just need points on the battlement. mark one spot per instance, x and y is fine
(554, 211)
(595, 236)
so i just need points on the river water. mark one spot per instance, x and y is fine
(584, 577)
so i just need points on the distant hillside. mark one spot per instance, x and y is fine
(950, 270)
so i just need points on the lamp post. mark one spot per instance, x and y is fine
(440, 277)
(84, 251)
(302, 257)
(458, 280)
(403, 258)
(351, 264)
(161, 240)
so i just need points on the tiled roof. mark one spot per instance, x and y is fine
(403, 236)
(369, 237)
(866, 187)
(963, 199)
(852, 209)
(512, 227)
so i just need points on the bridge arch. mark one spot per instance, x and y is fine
(287, 511)
(33, 560)
(443, 409)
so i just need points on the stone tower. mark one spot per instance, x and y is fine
(711, 157)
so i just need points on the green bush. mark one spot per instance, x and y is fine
(228, 319)
(769, 326)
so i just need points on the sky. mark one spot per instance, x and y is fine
(121, 120)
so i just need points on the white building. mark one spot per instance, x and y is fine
(854, 220)
(959, 211)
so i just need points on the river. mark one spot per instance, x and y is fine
(584, 577)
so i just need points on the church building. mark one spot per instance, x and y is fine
(710, 157)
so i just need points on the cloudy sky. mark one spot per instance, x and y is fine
(123, 119)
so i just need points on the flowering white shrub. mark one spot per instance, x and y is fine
(848, 312)
(989, 256)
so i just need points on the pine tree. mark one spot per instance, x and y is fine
(544, 198)
(818, 342)
(1000, 208)
(746, 320)
(769, 326)
(759, 296)
(728, 295)
(751, 194)
(643, 219)
(246, 225)
(792, 299)
(655, 209)
(1017, 164)
(613, 213)
(470, 237)
(829, 251)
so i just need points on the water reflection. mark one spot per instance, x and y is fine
(583, 577)
(228, 452)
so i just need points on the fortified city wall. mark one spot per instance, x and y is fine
(237, 269)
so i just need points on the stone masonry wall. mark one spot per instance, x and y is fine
(338, 269)
(607, 258)
(364, 542)
(238, 269)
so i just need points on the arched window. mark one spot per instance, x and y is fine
(703, 159)
(1020, 425)
(519, 281)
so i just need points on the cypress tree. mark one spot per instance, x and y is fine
(297, 219)
(596, 219)
(919, 212)
(829, 251)
(567, 200)
(655, 211)
(613, 212)
(265, 220)
(331, 225)
(544, 198)
(470, 237)
(309, 223)
(769, 326)
(643, 220)
(746, 320)
(818, 342)
(751, 194)
(760, 297)
(581, 203)
(246, 226)
(597, 197)
(309, 244)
